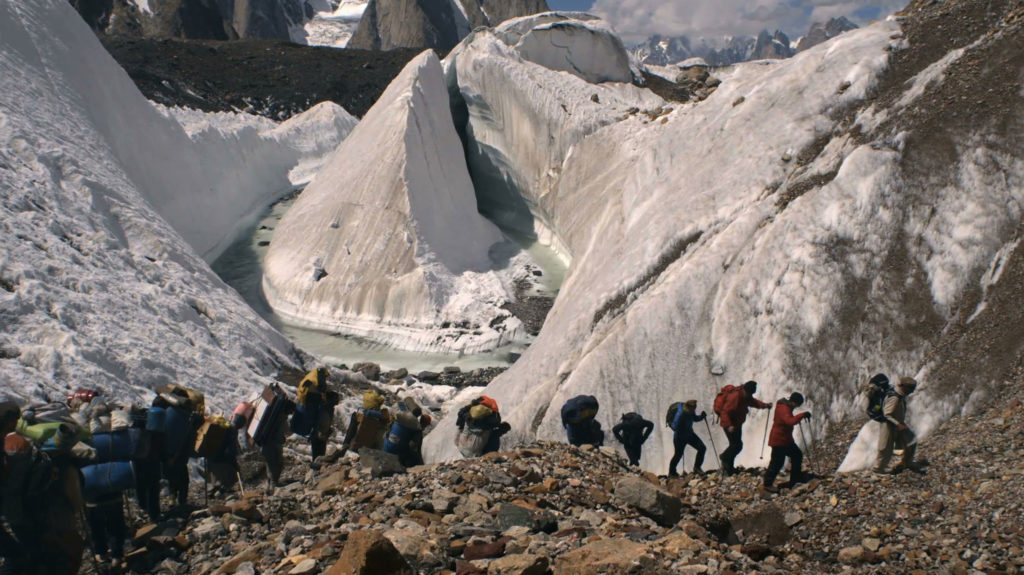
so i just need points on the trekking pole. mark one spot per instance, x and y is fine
(241, 485)
(206, 481)
(712, 438)
(765, 442)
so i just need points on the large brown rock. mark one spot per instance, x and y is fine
(519, 564)
(606, 557)
(368, 552)
(649, 499)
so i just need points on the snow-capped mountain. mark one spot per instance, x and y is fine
(663, 51)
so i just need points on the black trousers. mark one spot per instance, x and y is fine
(317, 447)
(15, 556)
(779, 455)
(735, 446)
(680, 442)
(147, 487)
(108, 528)
(633, 452)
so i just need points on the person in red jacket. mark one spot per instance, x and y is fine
(781, 441)
(738, 402)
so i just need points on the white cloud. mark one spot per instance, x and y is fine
(637, 19)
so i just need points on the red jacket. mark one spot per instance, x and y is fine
(782, 425)
(737, 404)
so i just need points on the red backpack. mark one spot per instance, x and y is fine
(723, 394)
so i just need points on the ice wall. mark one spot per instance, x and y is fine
(700, 247)
(96, 289)
(387, 242)
(527, 101)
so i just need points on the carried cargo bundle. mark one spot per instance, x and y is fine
(471, 441)
(579, 409)
(179, 424)
(670, 415)
(107, 478)
(878, 389)
(179, 396)
(480, 412)
(122, 445)
(405, 427)
(80, 396)
(46, 413)
(370, 427)
(211, 436)
(267, 410)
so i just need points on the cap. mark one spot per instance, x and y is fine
(796, 398)
(750, 386)
(907, 383)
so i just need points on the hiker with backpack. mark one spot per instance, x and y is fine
(405, 437)
(181, 424)
(579, 418)
(782, 443)
(632, 432)
(683, 418)
(14, 554)
(732, 405)
(41, 503)
(314, 411)
(480, 427)
(366, 427)
(894, 431)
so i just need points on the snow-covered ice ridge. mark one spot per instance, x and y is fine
(700, 247)
(387, 242)
(96, 288)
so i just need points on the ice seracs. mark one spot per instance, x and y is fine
(387, 242)
(524, 101)
(96, 289)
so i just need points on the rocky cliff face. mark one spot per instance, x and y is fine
(199, 19)
(821, 32)
(437, 24)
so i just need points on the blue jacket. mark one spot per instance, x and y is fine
(684, 420)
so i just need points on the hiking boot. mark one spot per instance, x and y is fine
(673, 473)
(916, 468)
(879, 471)
(898, 469)
(769, 489)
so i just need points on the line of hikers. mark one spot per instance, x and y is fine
(72, 462)
(68, 460)
(886, 404)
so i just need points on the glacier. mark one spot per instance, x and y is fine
(108, 207)
(386, 242)
(752, 235)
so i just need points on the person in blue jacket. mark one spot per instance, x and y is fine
(683, 435)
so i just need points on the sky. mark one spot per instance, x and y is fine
(637, 19)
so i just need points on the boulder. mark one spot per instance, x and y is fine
(369, 552)
(652, 501)
(519, 564)
(606, 557)
(379, 463)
